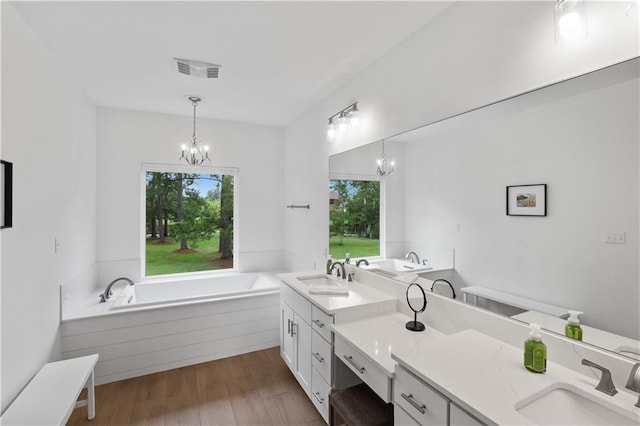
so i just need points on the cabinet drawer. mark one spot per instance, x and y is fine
(321, 356)
(422, 402)
(302, 307)
(320, 394)
(459, 417)
(286, 294)
(320, 322)
(401, 418)
(366, 370)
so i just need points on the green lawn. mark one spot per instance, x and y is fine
(358, 247)
(161, 259)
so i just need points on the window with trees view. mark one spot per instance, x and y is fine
(354, 218)
(189, 222)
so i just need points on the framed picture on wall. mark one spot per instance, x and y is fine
(527, 200)
(6, 194)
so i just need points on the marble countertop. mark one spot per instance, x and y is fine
(485, 376)
(377, 337)
(360, 295)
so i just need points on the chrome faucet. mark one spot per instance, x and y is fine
(606, 383)
(413, 257)
(444, 281)
(365, 261)
(341, 268)
(633, 382)
(107, 292)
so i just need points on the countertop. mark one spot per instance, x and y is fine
(486, 377)
(377, 337)
(360, 295)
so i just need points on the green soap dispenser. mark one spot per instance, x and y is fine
(573, 329)
(535, 352)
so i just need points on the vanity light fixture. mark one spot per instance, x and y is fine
(194, 152)
(342, 121)
(570, 19)
(385, 166)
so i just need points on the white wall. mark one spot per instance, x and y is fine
(127, 139)
(585, 148)
(454, 63)
(48, 132)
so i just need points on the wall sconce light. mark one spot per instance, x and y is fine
(342, 121)
(570, 20)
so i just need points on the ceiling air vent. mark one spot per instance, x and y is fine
(197, 68)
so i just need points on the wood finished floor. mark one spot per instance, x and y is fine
(251, 389)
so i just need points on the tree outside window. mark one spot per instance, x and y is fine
(354, 218)
(189, 222)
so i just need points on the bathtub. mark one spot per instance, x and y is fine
(157, 326)
(170, 292)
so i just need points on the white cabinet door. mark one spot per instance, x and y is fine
(287, 342)
(302, 336)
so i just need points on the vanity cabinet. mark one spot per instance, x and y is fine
(306, 346)
(295, 336)
(418, 403)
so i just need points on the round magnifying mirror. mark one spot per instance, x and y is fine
(417, 301)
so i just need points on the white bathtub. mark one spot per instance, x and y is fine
(179, 291)
(157, 326)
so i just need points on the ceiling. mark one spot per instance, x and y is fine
(278, 58)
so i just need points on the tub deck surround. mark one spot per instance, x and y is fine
(361, 301)
(377, 337)
(485, 376)
(169, 292)
(188, 329)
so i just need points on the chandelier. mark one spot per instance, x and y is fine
(195, 153)
(385, 166)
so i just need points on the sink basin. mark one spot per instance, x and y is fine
(398, 266)
(565, 404)
(320, 280)
(323, 284)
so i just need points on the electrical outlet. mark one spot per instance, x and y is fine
(616, 238)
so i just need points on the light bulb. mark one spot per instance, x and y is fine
(331, 131)
(342, 124)
(184, 147)
(354, 118)
(206, 148)
(569, 22)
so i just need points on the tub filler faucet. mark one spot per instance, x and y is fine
(413, 257)
(107, 292)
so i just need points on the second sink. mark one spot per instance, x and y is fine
(563, 403)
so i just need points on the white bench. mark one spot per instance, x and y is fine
(513, 300)
(52, 394)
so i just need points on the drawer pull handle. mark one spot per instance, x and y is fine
(289, 327)
(317, 395)
(318, 357)
(353, 363)
(318, 323)
(422, 408)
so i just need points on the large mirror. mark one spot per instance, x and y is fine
(447, 201)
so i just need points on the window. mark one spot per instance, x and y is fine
(188, 222)
(354, 218)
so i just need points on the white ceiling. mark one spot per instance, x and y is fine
(278, 58)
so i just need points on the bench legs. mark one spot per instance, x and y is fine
(90, 402)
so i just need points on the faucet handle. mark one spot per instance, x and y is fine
(633, 382)
(606, 382)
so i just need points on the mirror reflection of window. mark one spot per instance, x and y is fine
(354, 218)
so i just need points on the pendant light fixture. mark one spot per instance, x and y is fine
(194, 152)
(385, 166)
